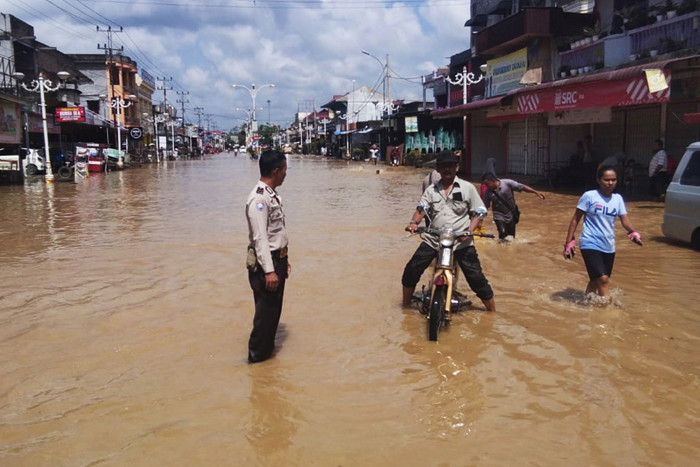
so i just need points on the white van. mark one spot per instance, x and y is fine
(32, 161)
(682, 212)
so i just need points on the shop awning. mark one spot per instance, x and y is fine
(617, 88)
(463, 109)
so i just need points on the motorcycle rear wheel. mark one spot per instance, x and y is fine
(436, 319)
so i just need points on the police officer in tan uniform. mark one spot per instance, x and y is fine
(268, 265)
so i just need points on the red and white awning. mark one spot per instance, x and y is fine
(617, 88)
(585, 95)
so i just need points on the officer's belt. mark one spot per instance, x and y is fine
(281, 253)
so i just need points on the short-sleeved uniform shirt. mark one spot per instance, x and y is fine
(599, 221)
(266, 227)
(452, 210)
(501, 211)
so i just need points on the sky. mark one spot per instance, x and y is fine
(310, 49)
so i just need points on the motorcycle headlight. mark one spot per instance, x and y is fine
(447, 238)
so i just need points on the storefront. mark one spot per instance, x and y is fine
(623, 110)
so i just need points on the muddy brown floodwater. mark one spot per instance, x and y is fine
(125, 312)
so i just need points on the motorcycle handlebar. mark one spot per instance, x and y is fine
(436, 233)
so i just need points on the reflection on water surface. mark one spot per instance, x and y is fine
(125, 314)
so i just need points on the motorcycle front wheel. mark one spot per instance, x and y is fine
(437, 312)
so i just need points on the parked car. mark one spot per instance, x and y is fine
(682, 212)
(33, 161)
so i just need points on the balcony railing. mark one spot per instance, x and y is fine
(516, 30)
(667, 35)
(531, 21)
(612, 51)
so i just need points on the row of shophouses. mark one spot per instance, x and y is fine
(545, 75)
(101, 98)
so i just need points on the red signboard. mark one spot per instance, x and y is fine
(590, 94)
(70, 114)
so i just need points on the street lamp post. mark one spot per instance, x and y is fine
(118, 104)
(466, 79)
(385, 74)
(249, 123)
(386, 105)
(42, 86)
(253, 93)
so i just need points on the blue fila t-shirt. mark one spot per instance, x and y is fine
(599, 221)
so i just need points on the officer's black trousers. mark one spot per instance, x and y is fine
(268, 308)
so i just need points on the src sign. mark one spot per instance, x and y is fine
(567, 99)
(136, 132)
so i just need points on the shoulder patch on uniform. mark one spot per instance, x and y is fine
(260, 206)
(259, 190)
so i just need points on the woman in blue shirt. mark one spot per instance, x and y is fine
(599, 209)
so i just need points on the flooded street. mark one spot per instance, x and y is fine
(125, 312)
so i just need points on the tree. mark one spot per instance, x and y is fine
(267, 134)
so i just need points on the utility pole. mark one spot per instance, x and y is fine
(183, 101)
(388, 81)
(207, 118)
(199, 111)
(165, 88)
(109, 53)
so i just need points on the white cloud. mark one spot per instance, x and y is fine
(310, 50)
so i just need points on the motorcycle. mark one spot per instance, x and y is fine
(440, 298)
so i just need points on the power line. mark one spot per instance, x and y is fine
(34, 13)
(96, 13)
(139, 55)
(295, 4)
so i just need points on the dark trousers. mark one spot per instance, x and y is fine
(268, 309)
(505, 228)
(658, 184)
(467, 259)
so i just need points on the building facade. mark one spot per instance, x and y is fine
(612, 70)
